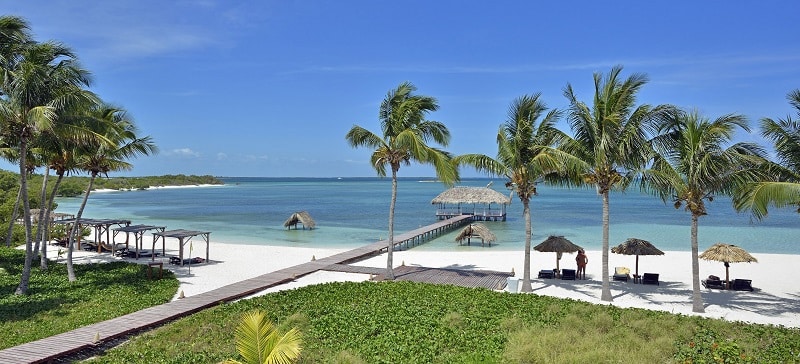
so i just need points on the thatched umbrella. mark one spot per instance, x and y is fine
(301, 217)
(727, 254)
(476, 231)
(559, 245)
(636, 247)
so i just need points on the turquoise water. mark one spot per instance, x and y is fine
(350, 212)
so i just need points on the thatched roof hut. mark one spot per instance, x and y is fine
(300, 217)
(451, 203)
(476, 231)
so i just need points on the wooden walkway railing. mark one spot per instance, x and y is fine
(53, 347)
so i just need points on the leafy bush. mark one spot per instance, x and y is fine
(403, 322)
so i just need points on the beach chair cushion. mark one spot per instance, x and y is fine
(546, 273)
(621, 274)
(568, 274)
(650, 278)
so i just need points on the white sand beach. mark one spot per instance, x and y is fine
(776, 299)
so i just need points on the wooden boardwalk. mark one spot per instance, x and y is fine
(51, 348)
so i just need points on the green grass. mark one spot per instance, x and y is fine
(403, 322)
(54, 305)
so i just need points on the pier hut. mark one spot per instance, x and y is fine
(483, 203)
(300, 217)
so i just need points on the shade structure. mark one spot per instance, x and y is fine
(727, 253)
(476, 230)
(636, 247)
(558, 245)
(300, 217)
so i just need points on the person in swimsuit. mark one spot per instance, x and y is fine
(582, 260)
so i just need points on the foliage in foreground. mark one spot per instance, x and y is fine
(260, 342)
(54, 305)
(403, 322)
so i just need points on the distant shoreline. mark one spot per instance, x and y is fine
(104, 190)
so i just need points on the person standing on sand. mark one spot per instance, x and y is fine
(582, 260)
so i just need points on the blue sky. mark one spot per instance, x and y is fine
(270, 88)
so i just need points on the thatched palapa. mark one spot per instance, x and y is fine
(300, 217)
(727, 253)
(451, 203)
(636, 247)
(476, 231)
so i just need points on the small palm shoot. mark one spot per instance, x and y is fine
(258, 341)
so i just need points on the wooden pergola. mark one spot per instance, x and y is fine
(138, 235)
(100, 227)
(183, 236)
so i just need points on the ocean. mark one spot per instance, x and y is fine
(351, 212)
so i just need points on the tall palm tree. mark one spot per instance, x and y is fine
(611, 137)
(405, 136)
(692, 164)
(119, 144)
(42, 80)
(526, 154)
(783, 188)
(259, 342)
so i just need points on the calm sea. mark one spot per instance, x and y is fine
(350, 212)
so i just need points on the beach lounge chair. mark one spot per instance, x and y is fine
(650, 278)
(546, 273)
(713, 282)
(568, 274)
(742, 285)
(177, 260)
(622, 274)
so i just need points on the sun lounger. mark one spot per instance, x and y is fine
(622, 274)
(568, 274)
(546, 273)
(713, 283)
(177, 260)
(742, 285)
(650, 278)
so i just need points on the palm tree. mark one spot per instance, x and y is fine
(611, 138)
(784, 187)
(692, 165)
(405, 138)
(119, 143)
(526, 153)
(259, 342)
(41, 80)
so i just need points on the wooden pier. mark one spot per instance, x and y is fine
(94, 335)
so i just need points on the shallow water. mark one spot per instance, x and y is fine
(350, 212)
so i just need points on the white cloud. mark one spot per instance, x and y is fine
(184, 152)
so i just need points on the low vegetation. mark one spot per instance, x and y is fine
(403, 322)
(53, 305)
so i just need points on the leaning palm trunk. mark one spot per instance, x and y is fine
(26, 217)
(13, 217)
(606, 290)
(697, 300)
(47, 226)
(44, 220)
(76, 230)
(390, 248)
(526, 269)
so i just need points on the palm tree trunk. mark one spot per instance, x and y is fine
(606, 290)
(526, 270)
(697, 300)
(50, 203)
(26, 217)
(44, 219)
(390, 248)
(76, 230)
(13, 217)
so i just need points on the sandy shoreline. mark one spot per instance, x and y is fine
(776, 299)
